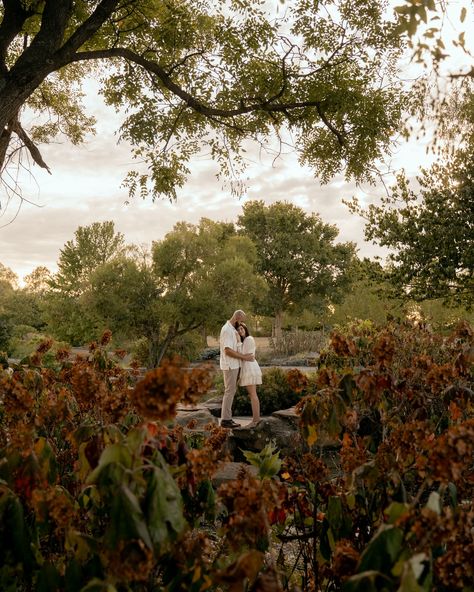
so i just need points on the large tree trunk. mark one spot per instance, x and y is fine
(48, 52)
(276, 325)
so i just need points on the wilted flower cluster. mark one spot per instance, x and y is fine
(204, 462)
(130, 561)
(199, 383)
(17, 400)
(343, 346)
(345, 559)
(55, 505)
(156, 396)
(249, 502)
(297, 380)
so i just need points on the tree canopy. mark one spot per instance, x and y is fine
(196, 75)
(430, 232)
(297, 256)
(92, 246)
(197, 276)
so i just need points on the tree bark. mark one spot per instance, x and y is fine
(277, 332)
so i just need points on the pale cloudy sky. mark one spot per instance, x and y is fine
(85, 187)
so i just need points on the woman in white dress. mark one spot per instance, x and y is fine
(250, 372)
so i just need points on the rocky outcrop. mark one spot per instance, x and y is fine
(197, 417)
(280, 428)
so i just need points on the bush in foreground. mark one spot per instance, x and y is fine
(98, 492)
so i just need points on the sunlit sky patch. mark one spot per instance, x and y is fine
(85, 186)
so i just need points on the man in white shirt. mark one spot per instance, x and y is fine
(230, 363)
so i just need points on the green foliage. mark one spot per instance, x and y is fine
(206, 76)
(297, 255)
(5, 333)
(187, 346)
(8, 278)
(91, 247)
(433, 252)
(25, 340)
(274, 393)
(267, 461)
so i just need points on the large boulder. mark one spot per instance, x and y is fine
(280, 428)
(198, 417)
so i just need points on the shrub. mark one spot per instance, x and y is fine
(209, 353)
(275, 393)
(186, 346)
(5, 333)
(94, 496)
(26, 340)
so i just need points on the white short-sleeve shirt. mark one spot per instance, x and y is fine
(228, 338)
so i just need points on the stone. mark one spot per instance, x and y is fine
(270, 429)
(288, 415)
(228, 471)
(199, 415)
(214, 405)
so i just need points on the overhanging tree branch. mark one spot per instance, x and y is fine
(194, 103)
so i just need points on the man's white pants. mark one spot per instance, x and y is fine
(230, 386)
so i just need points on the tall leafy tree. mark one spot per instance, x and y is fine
(8, 278)
(39, 280)
(125, 296)
(92, 246)
(206, 272)
(297, 255)
(202, 74)
(430, 232)
(198, 275)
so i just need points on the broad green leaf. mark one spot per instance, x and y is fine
(383, 550)
(453, 494)
(395, 511)
(163, 507)
(49, 579)
(434, 502)
(412, 570)
(334, 515)
(346, 387)
(97, 585)
(17, 535)
(127, 520)
(113, 454)
(267, 461)
(135, 439)
(368, 581)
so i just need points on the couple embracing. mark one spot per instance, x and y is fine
(237, 362)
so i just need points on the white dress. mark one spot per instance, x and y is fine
(250, 372)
